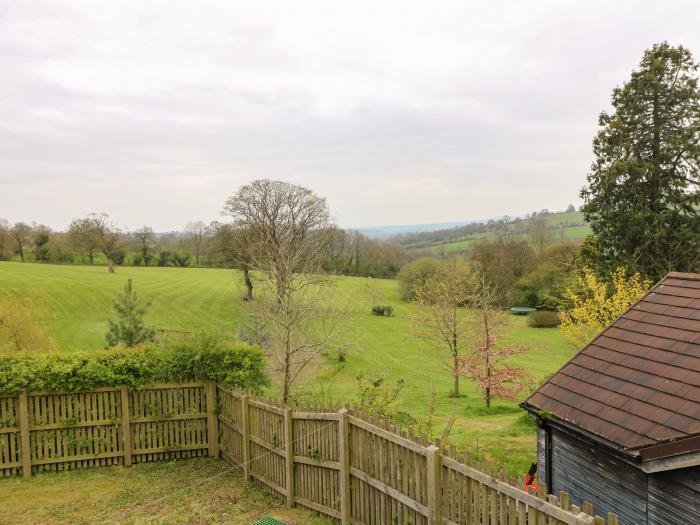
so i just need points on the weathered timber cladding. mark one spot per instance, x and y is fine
(542, 454)
(588, 472)
(674, 497)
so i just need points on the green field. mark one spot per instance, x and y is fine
(77, 300)
(569, 226)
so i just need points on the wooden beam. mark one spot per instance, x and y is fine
(24, 434)
(289, 455)
(344, 460)
(126, 424)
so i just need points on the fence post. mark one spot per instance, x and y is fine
(434, 486)
(24, 434)
(212, 426)
(126, 424)
(289, 455)
(344, 459)
(244, 437)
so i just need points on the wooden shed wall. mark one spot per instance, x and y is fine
(674, 497)
(542, 454)
(588, 472)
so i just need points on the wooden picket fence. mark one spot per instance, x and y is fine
(340, 463)
(106, 426)
(358, 470)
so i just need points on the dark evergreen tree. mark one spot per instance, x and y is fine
(129, 329)
(643, 193)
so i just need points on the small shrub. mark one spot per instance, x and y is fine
(543, 319)
(383, 311)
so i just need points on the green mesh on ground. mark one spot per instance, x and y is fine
(268, 521)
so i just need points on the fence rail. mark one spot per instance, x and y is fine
(343, 464)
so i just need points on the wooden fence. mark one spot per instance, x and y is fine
(106, 426)
(340, 463)
(358, 470)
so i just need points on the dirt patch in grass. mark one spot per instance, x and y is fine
(190, 491)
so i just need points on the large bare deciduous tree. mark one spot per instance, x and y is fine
(288, 229)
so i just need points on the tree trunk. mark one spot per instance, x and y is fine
(21, 249)
(248, 284)
(455, 362)
(110, 266)
(91, 257)
(287, 368)
(487, 390)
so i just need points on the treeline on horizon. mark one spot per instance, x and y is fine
(95, 240)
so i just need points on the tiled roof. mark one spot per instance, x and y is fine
(638, 383)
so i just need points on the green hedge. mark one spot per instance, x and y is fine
(204, 357)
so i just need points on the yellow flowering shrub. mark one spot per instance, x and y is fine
(598, 304)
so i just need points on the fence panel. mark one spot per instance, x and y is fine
(388, 476)
(10, 458)
(42, 431)
(267, 440)
(74, 430)
(316, 461)
(168, 421)
(230, 425)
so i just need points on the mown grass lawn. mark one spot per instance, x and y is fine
(187, 491)
(78, 303)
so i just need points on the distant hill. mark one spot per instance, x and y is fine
(565, 225)
(384, 232)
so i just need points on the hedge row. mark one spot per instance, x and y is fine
(204, 357)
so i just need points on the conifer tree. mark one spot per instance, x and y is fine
(643, 194)
(129, 328)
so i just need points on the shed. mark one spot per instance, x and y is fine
(619, 424)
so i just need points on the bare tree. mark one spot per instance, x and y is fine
(108, 237)
(288, 230)
(540, 234)
(196, 233)
(21, 232)
(145, 239)
(227, 248)
(443, 319)
(5, 239)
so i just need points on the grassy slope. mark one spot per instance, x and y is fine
(78, 301)
(569, 224)
(146, 493)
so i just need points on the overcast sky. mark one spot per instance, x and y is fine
(397, 112)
